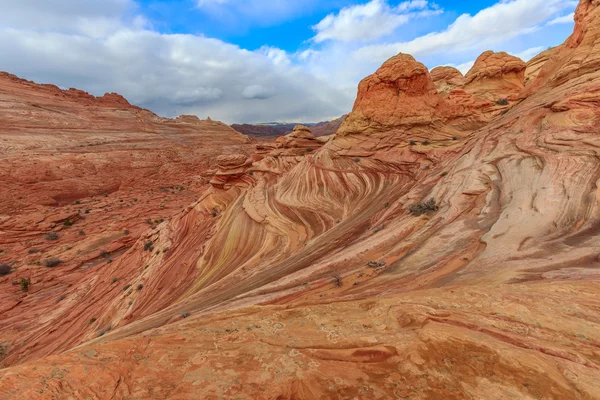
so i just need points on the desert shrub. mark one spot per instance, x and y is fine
(185, 314)
(443, 174)
(426, 143)
(378, 229)
(52, 236)
(148, 246)
(357, 159)
(337, 279)
(25, 283)
(140, 287)
(502, 102)
(68, 223)
(126, 288)
(424, 208)
(5, 269)
(104, 254)
(92, 320)
(115, 280)
(34, 251)
(52, 262)
(413, 143)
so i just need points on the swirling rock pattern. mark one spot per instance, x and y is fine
(313, 277)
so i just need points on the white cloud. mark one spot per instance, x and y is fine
(276, 55)
(256, 92)
(464, 67)
(366, 22)
(171, 74)
(500, 22)
(566, 19)
(91, 18)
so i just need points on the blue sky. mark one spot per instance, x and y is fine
(285, 31)
(259, 60)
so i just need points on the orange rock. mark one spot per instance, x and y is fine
(447, 79)
(496, 77)
(372, 268)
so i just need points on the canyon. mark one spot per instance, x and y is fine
(443, 243)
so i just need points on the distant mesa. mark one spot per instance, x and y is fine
(273, 130)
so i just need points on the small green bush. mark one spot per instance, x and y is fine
(25, 283)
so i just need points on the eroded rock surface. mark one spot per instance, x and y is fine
(371, 267)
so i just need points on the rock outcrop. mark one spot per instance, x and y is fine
(370, 268)
(536, 63)
(496, 76)
(447, 79)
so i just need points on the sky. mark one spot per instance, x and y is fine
(259, 60)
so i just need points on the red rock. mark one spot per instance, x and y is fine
(332, 275)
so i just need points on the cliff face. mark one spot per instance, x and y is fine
(440, 245)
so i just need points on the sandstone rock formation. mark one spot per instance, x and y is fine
(371, 268)
(536, 63)
(447, 79)
(496, 76)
